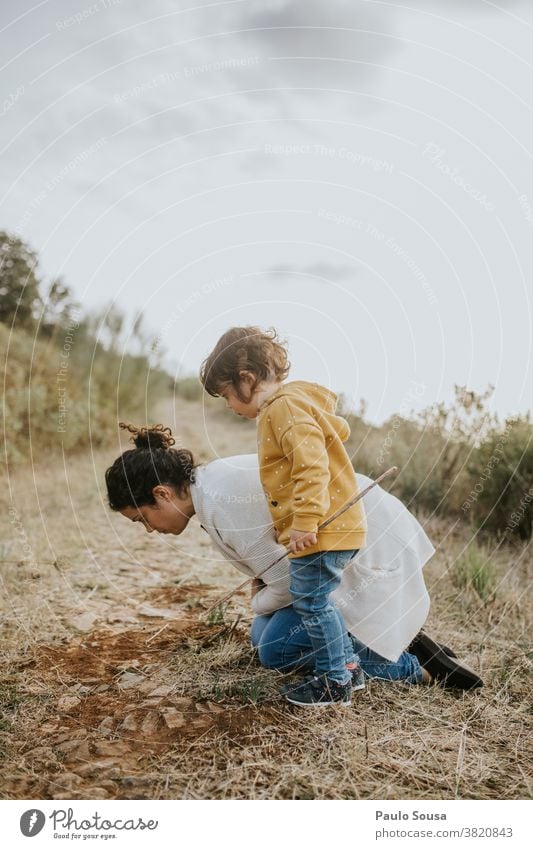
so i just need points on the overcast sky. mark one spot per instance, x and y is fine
(357, 174)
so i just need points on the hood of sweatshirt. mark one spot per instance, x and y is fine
(315, 397)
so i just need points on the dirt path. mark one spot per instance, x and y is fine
(116, 684)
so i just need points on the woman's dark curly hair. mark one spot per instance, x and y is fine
(153, 461)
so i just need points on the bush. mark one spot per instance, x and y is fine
(474, 571)
(70, 402)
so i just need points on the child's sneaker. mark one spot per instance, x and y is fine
(358, 677)
(319, 691)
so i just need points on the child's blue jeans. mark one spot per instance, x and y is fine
(313, 578)
(282, 643)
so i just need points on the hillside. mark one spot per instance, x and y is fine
(132, 692)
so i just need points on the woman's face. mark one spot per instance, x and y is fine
(169, 515)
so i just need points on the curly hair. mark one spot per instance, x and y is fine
(153, 461)
(244, 349)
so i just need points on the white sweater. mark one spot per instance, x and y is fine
(382, 594)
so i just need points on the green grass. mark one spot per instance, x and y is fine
(474, 571)
(217, 615)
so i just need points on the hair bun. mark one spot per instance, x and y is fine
(153, 437)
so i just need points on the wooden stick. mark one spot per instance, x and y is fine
(332, 518)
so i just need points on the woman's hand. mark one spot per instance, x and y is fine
(300, 540)
(257, 584)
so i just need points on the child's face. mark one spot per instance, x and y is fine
(248, 409)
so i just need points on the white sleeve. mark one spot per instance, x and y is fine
(272, 597)
(255, 553)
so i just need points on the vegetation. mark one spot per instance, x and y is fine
(68, 377)
(456, 460)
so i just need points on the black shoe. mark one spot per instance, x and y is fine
(412, 647)
(319, 692)
(443, 667)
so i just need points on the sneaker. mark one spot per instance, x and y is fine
(358, 678)
(319, 691)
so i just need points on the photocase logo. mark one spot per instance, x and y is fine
(32, 822)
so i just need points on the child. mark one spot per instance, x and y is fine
(307, 476)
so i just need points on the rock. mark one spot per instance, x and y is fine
(130, 680)
(133, 780)
(111, 767)
(214, 708)
(121, 615)
(68, 779)
(173, 718)
(107, 724)
(76, 751)
(129, 723)
(83, 622)
(151, 722)
(161, 691)
(48, 728)
(127, 665)
(201, 722)
(67, 704)
(158, 612)
(184, 704)
(147, 686)
(111, 748)
(99, 793)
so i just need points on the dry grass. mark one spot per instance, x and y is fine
(113, 685)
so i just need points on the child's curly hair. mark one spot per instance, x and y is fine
(153, 461)
(244, 349)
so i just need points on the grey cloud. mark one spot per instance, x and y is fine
(328, 270)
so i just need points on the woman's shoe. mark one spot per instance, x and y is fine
(411, 648)
(444, 668)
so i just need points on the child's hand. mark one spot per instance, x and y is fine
(300, 540)
(257, 586)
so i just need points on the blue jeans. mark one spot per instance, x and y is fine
(282, 643)
(313, 578)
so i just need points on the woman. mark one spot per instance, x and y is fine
(382, 596)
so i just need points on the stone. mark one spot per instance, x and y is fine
(214, 708)
(161, 691)
(99, 793)
(201, 722)
(111, 748)
(77, 752)
(83, 622)
(111, 768)
(121, 615)
(129, 723)
(184, 704)
(158, 612)
(68, 779)
(130, 680)
(67, 704)
(173, 718)
(151, 722)
(128, 665)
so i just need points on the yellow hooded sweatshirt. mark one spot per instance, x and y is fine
(305, 470)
